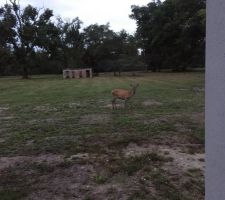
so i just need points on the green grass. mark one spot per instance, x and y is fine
(49, 115)
(11, 195)
(136, 163)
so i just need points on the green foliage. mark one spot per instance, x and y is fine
(107, 50)
(100, 179)
(19, 30)
(70, 44)
(135, 163)
(10, 194)
(171, 33)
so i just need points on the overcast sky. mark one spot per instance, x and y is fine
(116, 12)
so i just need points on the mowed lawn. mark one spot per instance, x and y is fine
(60, 139)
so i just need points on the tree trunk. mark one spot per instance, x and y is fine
(24, 64)
(184, 68)
(159, 69)
(65, 62)
(25, 72)
(153, 69)
(148, 67)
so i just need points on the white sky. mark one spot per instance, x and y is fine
(116, 12)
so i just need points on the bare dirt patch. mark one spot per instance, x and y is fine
(75, 105)
(44, 108)
(198, 89)
(6, 118)
(182, 89)
(95, 119)
(109, 191)
(158, 120)
(2, 140)
(183, 160)
(118, 105)
(4, 115)
(10, 162)
(69, 183)
(63, 137)
(3, 109)
(83, 156)
(181, 128)
(48, 121)
(151, 103)
(180, 159)
(198, 117)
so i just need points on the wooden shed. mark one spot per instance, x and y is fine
(77, 73)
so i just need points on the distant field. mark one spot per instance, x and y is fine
(60, 139)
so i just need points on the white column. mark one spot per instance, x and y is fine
(215, 100)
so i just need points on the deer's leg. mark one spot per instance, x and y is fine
(113, 103)
(125, 102)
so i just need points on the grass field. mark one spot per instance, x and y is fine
(60, 139)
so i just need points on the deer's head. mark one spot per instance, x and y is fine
(134, 87)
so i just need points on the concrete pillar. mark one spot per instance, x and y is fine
(71, 73)
(66, 74)
(76, 74)
(215, 100)
(91, 75)
(84, 75)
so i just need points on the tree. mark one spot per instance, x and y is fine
(98, 42)
(71, 42)
(125, 52)
(171, 33)
(106, 50)
(20, 29)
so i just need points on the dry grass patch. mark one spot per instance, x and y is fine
(118, 105)
(151, 103)
(68, 183)
(180, 159)
(11, 162)
(95, 119)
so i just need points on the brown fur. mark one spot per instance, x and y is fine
(123, 95)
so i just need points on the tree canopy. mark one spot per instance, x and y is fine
(20, 31)
(170, 34)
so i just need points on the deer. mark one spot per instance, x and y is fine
(123, 95)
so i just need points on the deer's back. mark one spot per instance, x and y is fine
(121, 93)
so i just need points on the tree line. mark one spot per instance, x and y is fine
(169, 35)
(172, 33)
